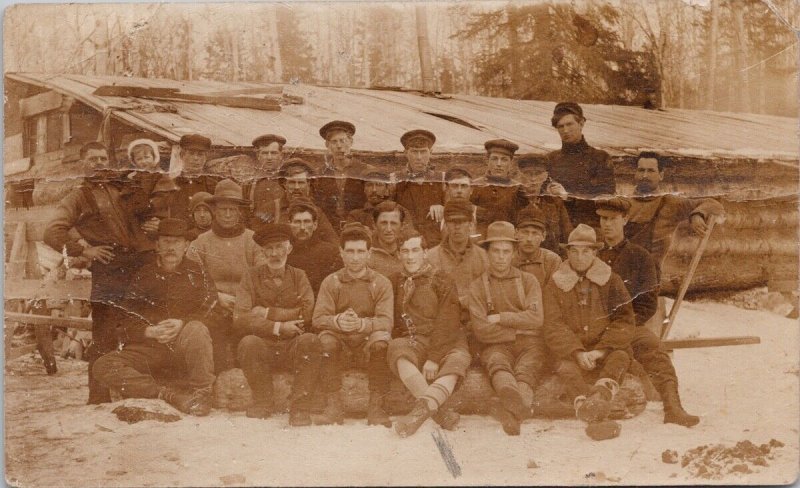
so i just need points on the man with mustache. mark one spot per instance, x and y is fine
(274, 303)
(264, 188)
(389, 219)
(167, 308)
(317, 257)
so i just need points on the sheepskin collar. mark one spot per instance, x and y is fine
(566, 278)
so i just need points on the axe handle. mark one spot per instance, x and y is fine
(687, 280)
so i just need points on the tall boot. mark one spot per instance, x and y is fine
(376, 415)
(333, 413)
(597, 406)
(673, 410)
(409, 424)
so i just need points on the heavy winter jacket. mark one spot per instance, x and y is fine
(516, 297)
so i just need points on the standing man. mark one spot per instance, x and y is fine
(531, 257)
(339, 188)
(546, 195)
(193, 153)
(377, 188)
(167, 306)
(354, 310)
(264, 188)
(588, 326)
(274, 303)
(654, 214)
(389, 218)
(506, 311)
(638, 271)
(419, 188)
(496, 191)
(430, 345)
(316, 257)
(585, 172)
(117, 248)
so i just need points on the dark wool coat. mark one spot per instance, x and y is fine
(638, 271)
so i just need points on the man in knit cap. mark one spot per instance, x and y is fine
(354, 311)
(506, 311)
(531, 257)
(274, 303)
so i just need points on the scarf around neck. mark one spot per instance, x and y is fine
(232, 232)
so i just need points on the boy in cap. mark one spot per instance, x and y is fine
(638, 271)
(588, 326)
(531, 257)
(274, 303)
(354, 310)
(497, 192)
(547, 196)
(506, 312)
(585, 172)
(167, 308)
(264, 189)
(430, 344)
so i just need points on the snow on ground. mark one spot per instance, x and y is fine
(742, 392)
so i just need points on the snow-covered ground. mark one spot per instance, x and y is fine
(742, 393)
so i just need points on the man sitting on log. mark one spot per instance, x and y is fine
(530, 256)
(167, 307)
(430, 345)
(506, 311)
(354, 309)
(274, 303)
(638, 271)
(588, 326)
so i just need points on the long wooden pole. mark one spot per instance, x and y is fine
(425, 59)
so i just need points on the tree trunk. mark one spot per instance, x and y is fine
(275, 43)
(712, 57)
(741, 60)
(425, 63)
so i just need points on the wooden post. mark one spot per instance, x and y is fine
(712, 57)
(425, 63)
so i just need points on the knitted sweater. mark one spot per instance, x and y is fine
(226, 258)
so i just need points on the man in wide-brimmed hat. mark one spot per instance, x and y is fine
(226, 251)
(506, 311)
(588, 326)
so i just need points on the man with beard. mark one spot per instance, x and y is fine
(638, 271)
(419, 188)
(354, 310)
(377, 189)
(389, 219)
(264, 189)
(167, 306)
(193, 178)
(545, 195)
(654, 215)
(506, 310)
(311, 254)
(496, 192)
(585, 172)
(117, 247)
(274, 303)
(531, 257)
(339, 188)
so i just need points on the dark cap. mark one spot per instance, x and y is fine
(503, 145)
(293, 167)
(566, 108)
(378, 175)
(457, 208)
(355, 231)
(303, 204)
(418, 138)
(613, 205)
(531, 216)
(531, 162)
(268, 139)
(456, 173)
(173, 228)
(195, 141)
(269, 233)
(337, 125)
(199, 198)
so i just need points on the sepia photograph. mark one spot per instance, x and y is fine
(352, 243)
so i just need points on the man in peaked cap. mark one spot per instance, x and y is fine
(193, 152)
(506, 311)
(497, 191)
(274, 304)
(420, 188)
(264, 189)
(167, 308)
(531, 257)
(584, 172)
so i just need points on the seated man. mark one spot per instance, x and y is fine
(506, 311)
(317, 257)
(166, 308)
(354, 310)
(588, 326)
(389, 218)
(274, 303)
(430, 344)
(531, 257)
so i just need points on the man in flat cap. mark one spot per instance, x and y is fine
(497, 192)
(274, 304)
(193, 154)
(506, 310)
(589, 322)
(638, 271)
(531, 257)
(419, 187)
(354, 311)
(546, 195)
(339, 187)
(167, 308)
(585, 172)
(264, 188)
(316, 256)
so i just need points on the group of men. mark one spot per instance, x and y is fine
(413, 274)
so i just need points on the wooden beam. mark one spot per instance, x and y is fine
(698, 342)
(265, 102)
(43, 102)
(83, 323)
